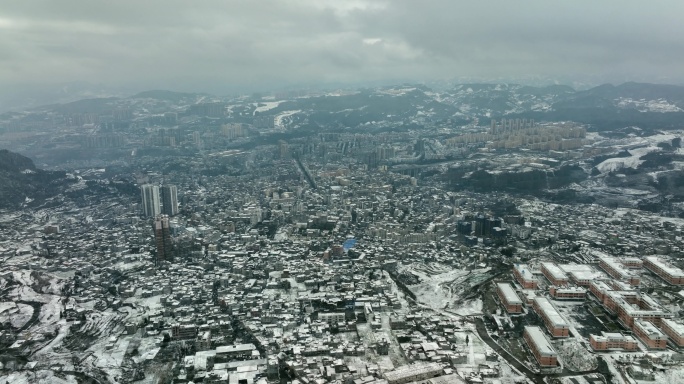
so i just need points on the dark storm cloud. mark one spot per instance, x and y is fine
(215, 45)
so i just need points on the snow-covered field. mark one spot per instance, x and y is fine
(634, 161)
(43, 376)
(441, 286)
(643, 105)
(574, 356)
(16, 314)
(278, 121)
(267, 106)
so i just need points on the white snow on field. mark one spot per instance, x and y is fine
(278, 121)
(16, 314)
(472, 307)
(28, 294)
(396, 91)
(57, 341)
(440, 286)
(643, 105)
(44, 376)
(670, 376)
(49, 313)
(5, 305)
(574, 356)
(23, 277)
(634, 161)
(148, 349)
(21, 316)
(267, 106)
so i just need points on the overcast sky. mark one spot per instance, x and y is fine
(220, 46)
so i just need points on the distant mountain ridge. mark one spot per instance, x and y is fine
(166, 95)
(605, 107)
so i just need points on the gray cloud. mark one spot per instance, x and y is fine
(219, 46)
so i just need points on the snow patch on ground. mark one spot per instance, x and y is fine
(16, 314)
(643, 105)
(268, 105)
(670, 376)
(634, 161)
(441, 286)
(575, 357)
(45, 376)
(7, 305)
(21, 316)
(278, 121)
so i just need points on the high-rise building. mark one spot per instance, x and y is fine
(150, 200)
(284, 149)
(169, 200)
(162, 238)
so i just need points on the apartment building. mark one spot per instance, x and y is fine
(612, 341)
(524, 276)
(509, 298)
(332, 317)
(617, 270)
(581, 274)
(554, 274)
(665, 271)
(599, 288)
(569, 293)
(554, 321)
(413, 372)
(540, 346)
(674, 330)
(649, 334)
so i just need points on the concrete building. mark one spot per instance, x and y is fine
(632, 262)
(236, 352)
(674, 330)
(612, 341)
(581, 274)
(554, 321)
(569, 293)
(524, 276)
(413, 372)
(332, 317)
(509, 298)
(665, 271)
(617, 270)
(649, 334)
(183, 331)
(599, 288)
(169, 200)
(203, 341)
(540, 346)
(554, 274)
(630, 306)
(162, 239)
(150, 200)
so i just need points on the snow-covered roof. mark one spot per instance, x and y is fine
(601, 285)
(569, 290)
(581, 272)
(675, 326)
(509, 294)
(524, 272)
(616, 266)
(554, 271)
(649, 330)
(550, 312)
(411, 370)
(670, 270)
(541, 343)
(612, 337)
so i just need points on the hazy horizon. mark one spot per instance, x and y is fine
(223, 47)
